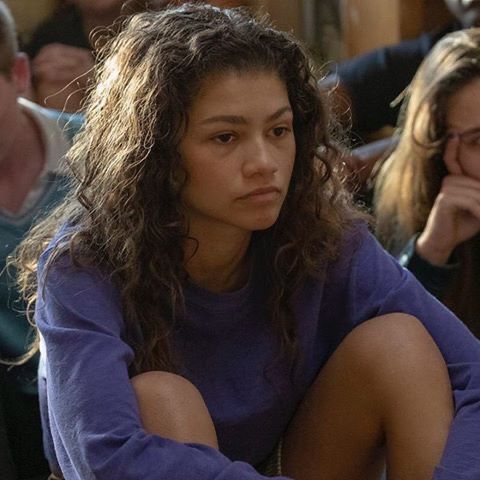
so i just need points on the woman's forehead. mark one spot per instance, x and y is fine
(231, 92)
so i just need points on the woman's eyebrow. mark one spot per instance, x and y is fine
(279, 113)
(238, 119)
(464, 132)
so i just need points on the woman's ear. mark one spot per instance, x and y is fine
(21, 75)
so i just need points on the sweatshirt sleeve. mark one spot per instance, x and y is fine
(92, 410)
(379, 285)
(436, 279)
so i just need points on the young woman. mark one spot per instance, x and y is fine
(428, 191)
(212, 307)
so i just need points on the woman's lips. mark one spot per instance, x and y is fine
(264, 194)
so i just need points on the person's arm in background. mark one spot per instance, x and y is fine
(436, 279)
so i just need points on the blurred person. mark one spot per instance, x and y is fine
(32, 145)
(427, 199)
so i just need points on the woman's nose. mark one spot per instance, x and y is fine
(260, 159)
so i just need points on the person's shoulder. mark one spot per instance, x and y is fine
(425, 40)
(58, 243)
(358, 249)
(354, 236)
(432, 37)
(68, 123)
(63, 267)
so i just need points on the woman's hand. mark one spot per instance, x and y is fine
(61, 71)
(455, 215)
(58, 63)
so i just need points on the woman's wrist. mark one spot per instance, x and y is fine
(431, 251)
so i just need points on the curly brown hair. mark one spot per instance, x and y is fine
(126, 208)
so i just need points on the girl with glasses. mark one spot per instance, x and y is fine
(428, 191)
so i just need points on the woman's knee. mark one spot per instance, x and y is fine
(391, 338)
(172, 407)
(399, 356)
(385, 382)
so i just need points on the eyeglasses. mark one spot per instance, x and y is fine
(469, 138)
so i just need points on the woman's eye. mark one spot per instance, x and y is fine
(224, 138)
(280, 131)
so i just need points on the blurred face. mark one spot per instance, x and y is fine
(238, 152)
(463, 117)
(466, 11)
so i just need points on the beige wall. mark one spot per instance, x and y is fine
(368, 24)
(286, 14)
(28, 13)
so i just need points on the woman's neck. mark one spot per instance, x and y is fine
(220, 263)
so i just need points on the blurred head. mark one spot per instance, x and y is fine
(467, 12)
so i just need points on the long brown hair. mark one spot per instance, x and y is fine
(410, 179)
(126, 209)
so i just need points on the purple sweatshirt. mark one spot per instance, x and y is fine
(91, 421)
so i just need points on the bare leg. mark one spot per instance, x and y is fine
(170, 406)
(384, 391)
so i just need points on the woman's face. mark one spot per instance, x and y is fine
(238, 152)
(463, 118)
